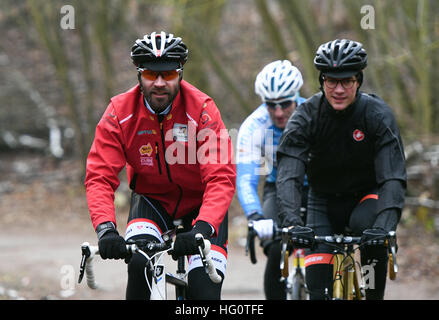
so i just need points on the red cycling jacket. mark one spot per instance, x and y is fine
(184, 161)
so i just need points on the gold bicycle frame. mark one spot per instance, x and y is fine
(346, 285)
(345, 276)
(298, 261)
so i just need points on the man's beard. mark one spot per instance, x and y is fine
(159, 105)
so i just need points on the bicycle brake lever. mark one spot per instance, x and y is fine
(284, 247)
(249, 231)
(392, 247)
(85, 249)
(200, 243)
(250, 245)
(200, 240)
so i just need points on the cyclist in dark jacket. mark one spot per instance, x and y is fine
(348, 144)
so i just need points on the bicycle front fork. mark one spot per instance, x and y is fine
(346, 285)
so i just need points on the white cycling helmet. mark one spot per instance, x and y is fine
(278, 79)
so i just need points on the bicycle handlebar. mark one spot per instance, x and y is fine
(88, 254)
(204, 249)
(145, 247)
(337, 239)
(390, 243)
(284, 235)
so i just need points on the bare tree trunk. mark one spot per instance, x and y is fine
(200, 24)
(301, 22)
(102, 36)
(272, 29)
(87, 62)
(42, 106)
(51, 38)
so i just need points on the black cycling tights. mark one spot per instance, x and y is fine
(200, 287)
(329, 215)
(274, 289)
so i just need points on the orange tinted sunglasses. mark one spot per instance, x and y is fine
(166, 75)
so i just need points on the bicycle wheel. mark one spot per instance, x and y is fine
(298, 289)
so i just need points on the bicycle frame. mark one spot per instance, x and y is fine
(345, 276)
(159, 277)
(295, 278)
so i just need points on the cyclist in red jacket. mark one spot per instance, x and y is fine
(178, 155)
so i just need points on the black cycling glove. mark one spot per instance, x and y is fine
(186, 244)
(374, 236)
(111, 244)
(302, 237)
(386, 221)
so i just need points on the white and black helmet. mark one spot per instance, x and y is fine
(278, 79)
(159, 51)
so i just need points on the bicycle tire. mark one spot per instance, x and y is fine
(298, 288)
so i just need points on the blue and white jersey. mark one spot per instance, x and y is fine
(257, 143)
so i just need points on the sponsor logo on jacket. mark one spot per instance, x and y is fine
(146, 150)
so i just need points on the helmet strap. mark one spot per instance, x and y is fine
(359, 77)
(321, 82)
(139, 75)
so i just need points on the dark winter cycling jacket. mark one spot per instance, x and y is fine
(343, 152)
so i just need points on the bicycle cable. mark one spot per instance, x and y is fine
(151, 265)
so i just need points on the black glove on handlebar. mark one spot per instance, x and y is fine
(186, 244)
(302, 237)
(112, 246)
(374, 237)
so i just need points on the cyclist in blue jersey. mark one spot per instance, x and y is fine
(278, 85)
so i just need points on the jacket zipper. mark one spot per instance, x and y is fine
(157, 157)
(163, 146)
(160, 118)
(178, 202)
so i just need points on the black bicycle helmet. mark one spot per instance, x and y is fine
(159, 52)
(340, 58)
